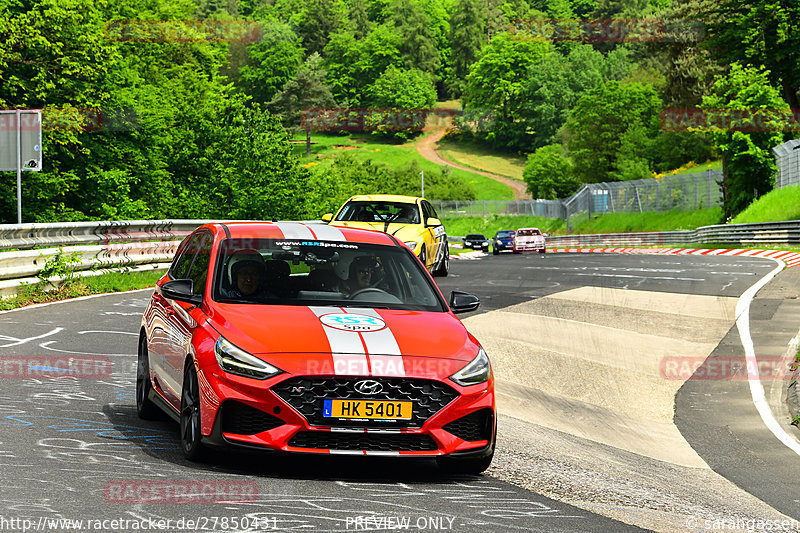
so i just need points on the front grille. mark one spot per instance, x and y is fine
(307, 393)
(474, 426)
(371, 442)
(241, 419)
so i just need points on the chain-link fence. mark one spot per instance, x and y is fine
(787, 156)
(539, 208)
(678, 191)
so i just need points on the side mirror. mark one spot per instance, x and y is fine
(431, 221)
(327, 217)
(463, 302)
(181, 290)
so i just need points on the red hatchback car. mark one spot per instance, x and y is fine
(314, 339)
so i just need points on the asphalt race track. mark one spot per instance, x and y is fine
(73, 448)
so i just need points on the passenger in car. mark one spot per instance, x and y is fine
(361, 273)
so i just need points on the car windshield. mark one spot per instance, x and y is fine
(475, 237)
(501, 234)
(382, 212)
(526, 232)
(341, 274)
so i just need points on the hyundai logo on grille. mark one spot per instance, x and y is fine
(368, 386)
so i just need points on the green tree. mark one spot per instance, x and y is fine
(556, 82)
(274, 60)
(598, 123)
(307, 90)
(495, 85)
(548, 173)
(467, 37)
(402, 92)
(759, 33)
(319, 19)
(354, 64)
(399, 88)
(748, 167)
(417, 44)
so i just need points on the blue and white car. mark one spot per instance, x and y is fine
(503, 241)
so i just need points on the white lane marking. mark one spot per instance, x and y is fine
(46, 346)
(91, 296)
(294, 230)
(327, 233)
(640, 277)
(17, 342)
(753, 377)
(105, 331)
(121, 313)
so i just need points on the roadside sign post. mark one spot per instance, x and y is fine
(20, 145)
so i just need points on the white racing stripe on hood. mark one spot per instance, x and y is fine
(382, 342)
(327, 233)
(382, 356)
(347, 349)
(294, 230)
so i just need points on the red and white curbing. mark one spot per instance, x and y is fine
(476, 254)
(792, 259)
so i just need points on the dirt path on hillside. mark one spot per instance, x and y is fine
(427, 147)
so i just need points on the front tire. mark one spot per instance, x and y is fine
(444, 266)
(191, 436)
(145, 407)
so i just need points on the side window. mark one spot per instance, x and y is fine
(426, 213)
(180, 268)
(198, 272)
(429, 210)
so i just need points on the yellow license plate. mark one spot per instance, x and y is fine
(383, 409)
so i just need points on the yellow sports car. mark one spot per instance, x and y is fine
(410, 219)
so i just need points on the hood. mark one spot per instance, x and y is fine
(272, 329)
(403, 232)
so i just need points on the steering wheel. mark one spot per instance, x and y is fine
(368, 290)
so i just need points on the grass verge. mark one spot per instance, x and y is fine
(326, 147)
(110, 282)
(480, 157)
(609, 223)
(775, 206)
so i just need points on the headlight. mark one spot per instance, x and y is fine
(476, 371)
(411, 244)
(237, 361)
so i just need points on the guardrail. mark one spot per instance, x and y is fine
(738, 234)
(26, 248)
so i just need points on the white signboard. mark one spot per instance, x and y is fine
(21, 135)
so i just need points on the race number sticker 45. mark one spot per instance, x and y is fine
(353, 322)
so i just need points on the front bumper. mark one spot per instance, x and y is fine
(247, 413)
